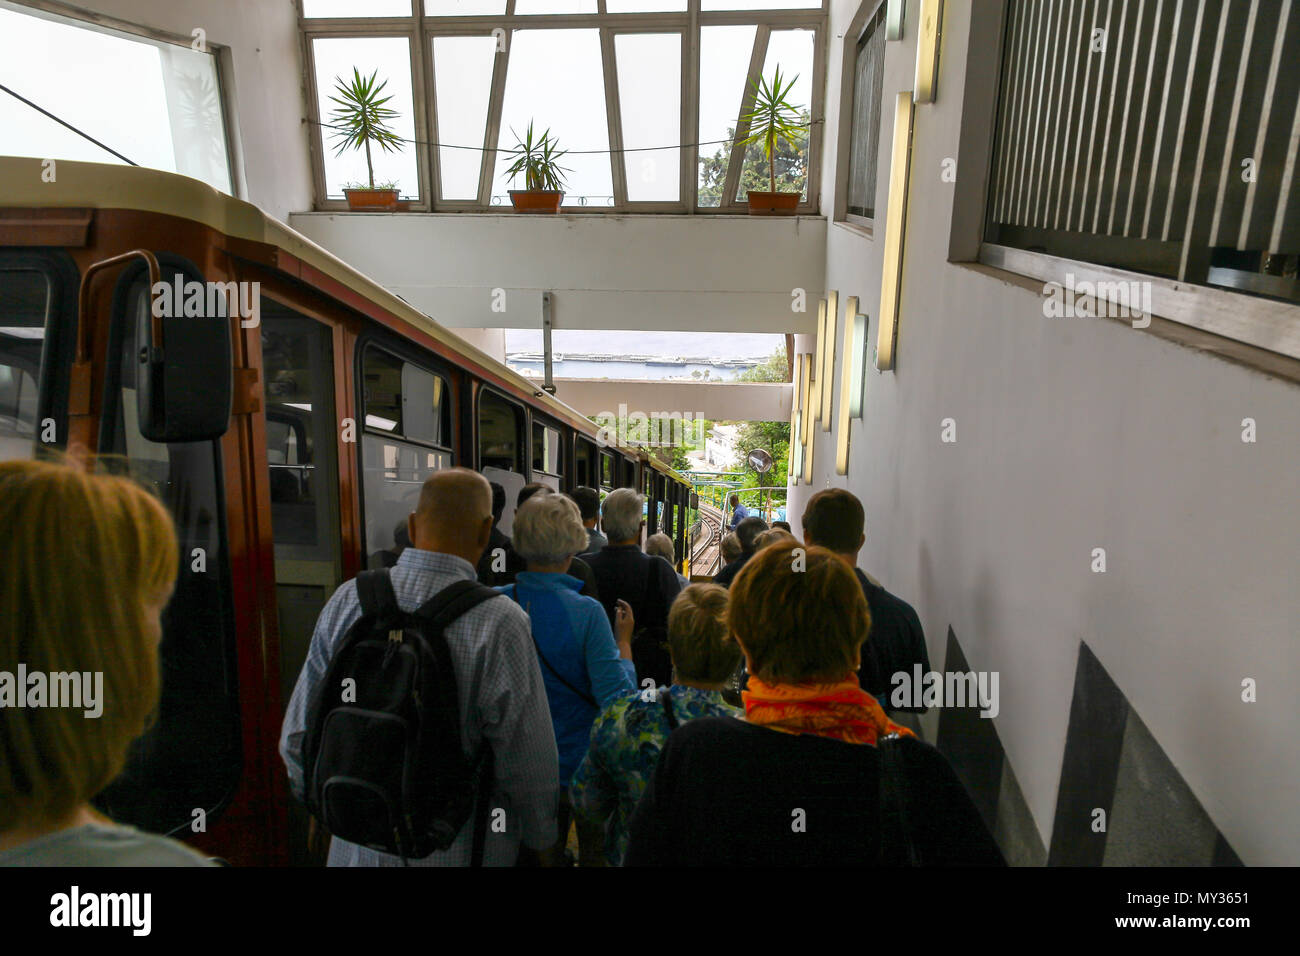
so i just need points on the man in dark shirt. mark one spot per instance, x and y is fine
(647, 582)
(747, 531)
(588, 502)
(738, 512)
(834, 519)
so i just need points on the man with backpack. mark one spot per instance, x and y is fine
(420, 693)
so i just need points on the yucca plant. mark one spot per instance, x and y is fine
(774, 119)
(537, 158)
(361, 118)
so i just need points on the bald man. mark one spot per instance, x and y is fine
(501, 696)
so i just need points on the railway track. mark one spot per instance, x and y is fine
(706, 553)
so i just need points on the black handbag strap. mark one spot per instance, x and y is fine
(893, 799)
(666, 698)
(514, 592)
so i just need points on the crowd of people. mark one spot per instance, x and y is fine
(623, 710)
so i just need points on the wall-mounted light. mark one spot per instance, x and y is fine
(852, 372)
(892, 275)
(894, 19)
(927, 51)
(794, 460)
(827, 361)
(805, 428)
(820, 346)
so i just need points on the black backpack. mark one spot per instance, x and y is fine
(384, 767)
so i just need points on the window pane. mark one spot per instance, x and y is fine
(498, 426)
(300, 423)
(650, 103)
(761, 4)
(527, 7)
(462, 69)
(356, 8)
(645, 6)
(393, 472)
(792, 51)
(157, 103)
(868, 87)
(24, 302)
(383, 391)
(391, 57)
(724, 62)
(555, 80)
(426, 414)
(546, 449)
(464, 8)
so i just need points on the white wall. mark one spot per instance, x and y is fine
(267, 97)
(681, 273)
(1074, 434)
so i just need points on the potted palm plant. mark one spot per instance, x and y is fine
(537, 160)
(360, 119)
(773, 120)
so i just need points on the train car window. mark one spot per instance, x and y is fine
(500, 452)
(585, 462)
(606, 471)
(547, 456)
(407, 437)
(24, 306)
(192, 756)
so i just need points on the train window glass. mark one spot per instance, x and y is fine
(585, 459)
(382, 373)
(606, 470)
(191, 757)
(298, 366)
(501, 458)
(393, 472)
(426, 413)
(24, 306)
(546, 449)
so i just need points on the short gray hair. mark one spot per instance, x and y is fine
(621, 514)
(661, 545)
(548, 529)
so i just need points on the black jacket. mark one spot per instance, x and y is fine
(895, 642)
(730, 793)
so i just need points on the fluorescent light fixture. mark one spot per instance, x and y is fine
(826, 381)
(892, 276)
(794, 465)
(927, 51)
(851, 373)
(894, 19)
(805, 429)
(821, 360)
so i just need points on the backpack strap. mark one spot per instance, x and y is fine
(666, 698)
(378, 599)
(514, 593)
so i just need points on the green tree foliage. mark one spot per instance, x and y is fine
(790, 163)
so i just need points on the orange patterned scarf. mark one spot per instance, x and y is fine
(841, 711)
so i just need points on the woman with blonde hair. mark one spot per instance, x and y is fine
(815, 773)
(630, 733)
(585, 664)
(92, 560)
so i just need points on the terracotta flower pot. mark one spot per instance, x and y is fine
(536, 200)
(372, 200)
(773, 204)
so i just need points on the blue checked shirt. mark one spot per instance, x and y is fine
(502, 699)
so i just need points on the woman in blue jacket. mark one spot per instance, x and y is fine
(585, 664)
